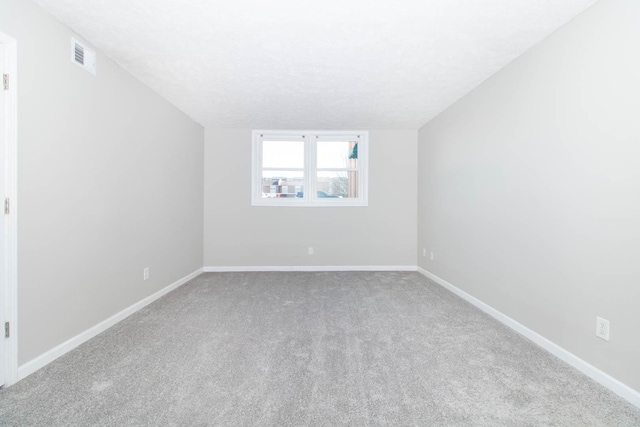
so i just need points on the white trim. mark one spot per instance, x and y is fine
(11, 221)
(51, 355)
(589, 370)
(242, 268)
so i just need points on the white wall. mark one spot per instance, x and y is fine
(529, 189)
(238, 234)
(110, 181)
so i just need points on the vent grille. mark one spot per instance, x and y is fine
(83, 57)
(79, 54)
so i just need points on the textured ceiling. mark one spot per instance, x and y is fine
(329, 64)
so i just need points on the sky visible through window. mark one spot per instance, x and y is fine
(290, 154)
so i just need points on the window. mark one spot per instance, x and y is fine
(306, 168)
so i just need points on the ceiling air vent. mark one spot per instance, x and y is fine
(83, 57)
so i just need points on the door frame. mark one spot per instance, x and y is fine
(11, 220)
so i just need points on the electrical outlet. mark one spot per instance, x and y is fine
(145, 273)
(424, 251)
(310, 250)
(602, 328)
(431, 255)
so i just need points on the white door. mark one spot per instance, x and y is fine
(3, 240)
(8, 220)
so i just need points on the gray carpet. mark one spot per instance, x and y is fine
(311, 349)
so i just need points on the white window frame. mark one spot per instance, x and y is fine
(310, 139)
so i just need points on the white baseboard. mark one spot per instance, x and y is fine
(591, 371)
(242, 268)
(51, 355)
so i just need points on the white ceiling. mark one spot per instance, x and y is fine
(330, 64)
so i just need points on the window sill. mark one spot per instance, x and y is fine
(310, 204)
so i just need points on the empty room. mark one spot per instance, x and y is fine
(349, 213)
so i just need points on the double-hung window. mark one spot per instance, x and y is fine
(309, 168)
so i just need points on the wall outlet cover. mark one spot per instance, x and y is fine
(602, 328)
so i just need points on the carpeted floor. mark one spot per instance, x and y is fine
(311, 349)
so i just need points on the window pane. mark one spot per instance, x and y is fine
(282, 184)
(337, 154)
(342, 184)
(283, 154)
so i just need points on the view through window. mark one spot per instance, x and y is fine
(309, 168)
